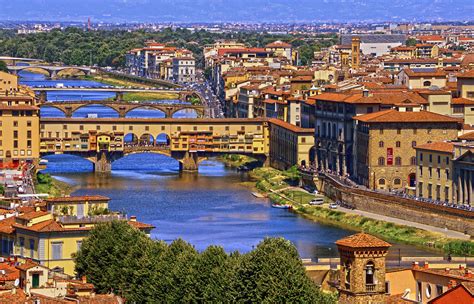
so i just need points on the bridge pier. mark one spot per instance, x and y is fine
(189, 162)
(53, 74)
(102, 163)
(43, 96)
(119, 96)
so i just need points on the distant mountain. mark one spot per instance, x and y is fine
(237, 10)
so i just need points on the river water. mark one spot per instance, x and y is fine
(208, 208)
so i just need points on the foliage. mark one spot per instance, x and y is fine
(3, 66)
(97, 210)
(2, 189)
(44, 178)
(116, 257)
(75, 46)
(411, 42)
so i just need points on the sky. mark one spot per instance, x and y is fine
(249, 11)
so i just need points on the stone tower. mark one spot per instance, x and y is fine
(355, 60)
(362, 273)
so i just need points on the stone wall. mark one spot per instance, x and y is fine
(397, 207)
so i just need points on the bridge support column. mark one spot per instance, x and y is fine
(43, 96)
(119, 96)
(53, 74)
(189, 162)
(103, 163)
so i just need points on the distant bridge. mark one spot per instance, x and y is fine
(189, 141)
(182, 94)
(15, 60)
(52, 70)
(122, 108)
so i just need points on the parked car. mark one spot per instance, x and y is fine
(317, 201)
(333, 206)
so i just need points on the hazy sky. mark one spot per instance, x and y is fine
(236, 10)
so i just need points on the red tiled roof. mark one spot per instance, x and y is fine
(466, 136)
(19, 297)
(6, 225)
(362, 240)
(31, 215)
(278, 44)
(466, 74)
(290, 127)
(11, 273)
(436, 73)
(404, 117)
(462, 101)
(140, 225)
(440, 146)
(28, 265)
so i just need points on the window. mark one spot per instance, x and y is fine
(430, 171)
(421, 156)
(428, 291)
(381, 144)
(78, 245)
(431, 158)
(413, 161)
(381, 161)
(398, 144)
(303, 140)
(398, 161)
(414, 130)
(381, 131)
(447, 173)
(413, 144)
(22, 245)
(57, 249)
(369, 273)
(426, 83)
(439, 159)
(438, 173)
(439, 290)
(399, 131)
(447, 160)
(428, 130)
(397, 181)
(32, 248)
(381, 181)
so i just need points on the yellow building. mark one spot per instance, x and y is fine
(52, 240)
(8, 83)
(77, 205)
(434, 172)
(19, 123)
(466, 84)
(289, 145)
(385, 157)
(421, 79)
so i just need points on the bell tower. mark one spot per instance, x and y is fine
(355, 53)
(362, 271)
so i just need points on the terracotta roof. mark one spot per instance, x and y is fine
(140, 225)
(79, 198)
(467, 74)
(11, 273)
(362, 240)
(289, 126)
(405, 117)
(469, 287)
(429, 73)
(19, 297)
(462, 101)
(28, 265)
(48, 226)
(466, 136)
(278, 44)
(452, 273)
(31, 215)
(440, 146)
(6, 225)
(302, 78)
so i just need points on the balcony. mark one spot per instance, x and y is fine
(370, 287)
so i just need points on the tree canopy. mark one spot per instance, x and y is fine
(116, 257)
(75, 46)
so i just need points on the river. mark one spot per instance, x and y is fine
(208, 208)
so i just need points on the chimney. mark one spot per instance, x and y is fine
(426, 265)
(365, 93)
(451, 284)
(133, 218)
(461, 267)
(415, 265)
(447, 270)
(84, 279)
(468, 274)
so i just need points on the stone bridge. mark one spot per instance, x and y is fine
(188, 140)
(184, 95)
(122, 108)
(52, 70)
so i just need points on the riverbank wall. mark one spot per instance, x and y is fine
(397, 207)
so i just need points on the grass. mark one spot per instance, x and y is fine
(44, 183)
(267, 179)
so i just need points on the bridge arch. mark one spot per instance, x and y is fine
(151, 108)
(198, 113)
(57, 110)
(76, 69)
(32, 68)
(146, 139)
(163, 139)
(74, 109)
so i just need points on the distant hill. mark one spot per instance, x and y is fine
(237, 10)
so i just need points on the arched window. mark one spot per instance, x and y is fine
(398, 161)
(398, 144)
(369, 273)
(381, 161)
(426, 83)
(397, 181)
(381, 181)
(380, 144)
(347, 276)
(413, 144)
(413, 161)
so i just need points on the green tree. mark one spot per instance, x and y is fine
(105, 259)
(3, 66)
(411, 42)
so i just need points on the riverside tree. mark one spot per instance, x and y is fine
(117, 257)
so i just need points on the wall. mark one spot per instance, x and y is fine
(379, 203)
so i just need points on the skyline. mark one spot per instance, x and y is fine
(220, 11)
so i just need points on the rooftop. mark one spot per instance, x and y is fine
(405, 117)
(362, 240)
(440, 146)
